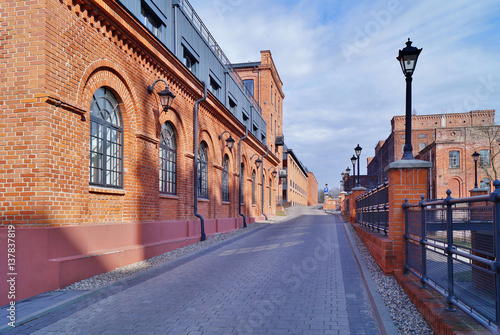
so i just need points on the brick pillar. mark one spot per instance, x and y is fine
(356, 192)
(478, 191)
(407, 180)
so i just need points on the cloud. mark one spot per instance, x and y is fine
(337, 61)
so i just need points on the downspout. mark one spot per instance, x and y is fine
(195, 145)
(262, 199)
(240, 175)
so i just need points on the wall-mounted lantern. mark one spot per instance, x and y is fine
(166, 96)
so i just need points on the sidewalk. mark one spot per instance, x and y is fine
(39, 305)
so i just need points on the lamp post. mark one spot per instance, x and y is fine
(408, 60)
(353, 162)
(166, 96)
(357, 150)
(347, 172)
(475, 155)
(342, 185)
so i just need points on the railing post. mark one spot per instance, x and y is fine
(405, 208)
(495, 197)
(449, 237)
(422, 244)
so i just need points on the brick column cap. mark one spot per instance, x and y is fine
(409, 164)
(479, 191)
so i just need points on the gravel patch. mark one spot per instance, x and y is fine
(404, 314)
(136, 268)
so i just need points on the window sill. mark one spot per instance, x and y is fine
(226, 203)
(103, 190)
(168, 196)
(203, 200)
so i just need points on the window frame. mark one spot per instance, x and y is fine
(454, 161)
(225, 178)
(104, 127)
(482, 158)
(167, 173)
(253, 187)
(203, 170)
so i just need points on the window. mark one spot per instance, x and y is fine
(270, 191)
(454, 159)
(225, 179)
(106, 140)
(421, 136)
(242, 182)
(485, 183)
(249, 85)
(253, 187)
(484, 158)
(232, 106)
(246, 118)
(214, 87)
(189, 60)
(203, 171)
(150, 20)
(421, 146)
(168, 160)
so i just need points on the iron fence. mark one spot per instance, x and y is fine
(452, 246)
(372, 208)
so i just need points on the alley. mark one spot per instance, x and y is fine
(299, 276)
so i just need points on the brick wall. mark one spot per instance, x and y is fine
(55, 55)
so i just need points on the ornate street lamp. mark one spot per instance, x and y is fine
(347, 172)
(258, 161)
(475, 155)
(408, 60)
(353, 162)
(166, 97)
(229, 141)
(274, 173)
(357, 150)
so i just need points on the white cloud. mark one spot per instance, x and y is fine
(337, 60)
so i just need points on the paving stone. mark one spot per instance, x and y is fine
(298, 276)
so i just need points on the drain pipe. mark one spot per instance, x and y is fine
(195, 168)
(240, 177)
(262, 186)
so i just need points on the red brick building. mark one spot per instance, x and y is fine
(448, 142)
(94, 174)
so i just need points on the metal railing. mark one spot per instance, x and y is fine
(453, 246)
(372, 208)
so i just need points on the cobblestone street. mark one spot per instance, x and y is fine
(298, 276)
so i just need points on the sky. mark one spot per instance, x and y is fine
(337, 60)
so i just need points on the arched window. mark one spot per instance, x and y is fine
(106, 140)
(168, 160)
(242, 182)
(270, 191)
(203, 171)
(253, 187)
(225, 179)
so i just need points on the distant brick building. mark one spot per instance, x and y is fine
(448, 142)
(312, 189)
(93, 173)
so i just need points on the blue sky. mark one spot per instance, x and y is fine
(341, 79)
